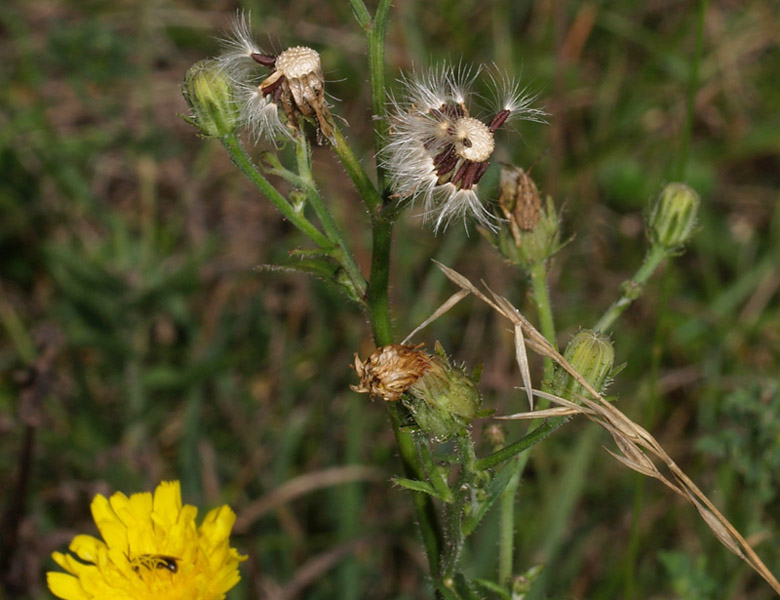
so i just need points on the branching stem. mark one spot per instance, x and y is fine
(343, 255)
(240, 158)
(632, 288)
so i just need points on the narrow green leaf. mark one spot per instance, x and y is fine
(492, 586)
(418, 486)
(494, 490)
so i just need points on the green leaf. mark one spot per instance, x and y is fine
(320, 265)
(419, 486)
(492, 586)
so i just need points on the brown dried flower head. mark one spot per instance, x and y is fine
(296, 81)
(519, 201)
(391, 370)
(531, 232)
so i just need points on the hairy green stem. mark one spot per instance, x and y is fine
(344, 256)
(382, 219)
(376, 59)
(375, 34)
(379, 315)
(361, 13)
(240, 158)
(454, 512)
(378, 284)
(356, 173)
(432, 470)
(426, 512)
(632, 288)
(541, 295)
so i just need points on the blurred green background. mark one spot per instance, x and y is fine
(139, 343)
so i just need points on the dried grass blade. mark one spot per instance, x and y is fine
(521, 356)
(448, 304)
(540, 414)
(631, 433)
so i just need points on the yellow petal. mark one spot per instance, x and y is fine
(118, 501)
(101, 509)
(61, 559)
(140, 506)
(217, 524)
(65, 586)
(114, 533)
(87, 547)
(136, 511)
(70, 564)
(167, 502)
(118, 559)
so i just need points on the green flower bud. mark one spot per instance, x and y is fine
(672, 218)
(208, 91)
(444, 401)
(440, 397)
(592, 356)
(531, 233)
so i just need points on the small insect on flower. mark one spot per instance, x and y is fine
(154, 561)
(438, 151)
(295, 83)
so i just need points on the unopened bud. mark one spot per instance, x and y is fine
(531, 233)
(590, 354)
(209, 93)
(495, 435)
(673, 216)
(440, 397)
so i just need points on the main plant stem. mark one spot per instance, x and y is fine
(541, 295)
(377, 295)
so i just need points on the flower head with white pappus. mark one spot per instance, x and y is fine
(437, 151)
(294, 84)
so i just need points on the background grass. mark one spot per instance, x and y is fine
(138, 343)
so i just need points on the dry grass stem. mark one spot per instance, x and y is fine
(522, 362)
(448, 304)
(632, 440)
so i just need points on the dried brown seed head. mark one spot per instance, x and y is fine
(298, 85)
(519, 199)
(391, 370)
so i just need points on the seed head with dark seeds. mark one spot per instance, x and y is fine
(438, 151)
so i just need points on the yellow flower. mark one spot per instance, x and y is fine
(151, 549)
